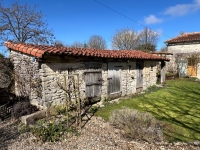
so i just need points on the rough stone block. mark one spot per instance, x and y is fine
(30, 119)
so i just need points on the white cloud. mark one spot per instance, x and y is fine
(182, 9)
(152, 19)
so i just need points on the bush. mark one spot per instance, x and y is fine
(6, 72)
(61, 110)
(51, 131)
(193, 79)
(137, 125)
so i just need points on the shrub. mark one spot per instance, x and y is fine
(137, 125)
(51, 131)
(55, 110)
(6, 72)
(93, 109)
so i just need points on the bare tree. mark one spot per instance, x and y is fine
(79, 45)
(97, 42)
(24, 24)
(125, 39)
(163, 49)
(59, 43)
(148, 40)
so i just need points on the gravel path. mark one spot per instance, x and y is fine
(96, 135)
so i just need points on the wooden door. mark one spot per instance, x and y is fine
(139, 75)
(114, 77)
(192, 67)
(93, 81)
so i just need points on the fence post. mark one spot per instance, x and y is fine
(66, 104)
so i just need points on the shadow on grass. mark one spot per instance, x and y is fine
(180, 107)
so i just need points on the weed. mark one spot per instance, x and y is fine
(61, 110)
(22, 128)
(93, 109)
(105, 102)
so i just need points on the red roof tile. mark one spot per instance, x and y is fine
(166, 53)
(41, 50)
(186, 37)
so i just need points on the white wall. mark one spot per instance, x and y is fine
(182, 49)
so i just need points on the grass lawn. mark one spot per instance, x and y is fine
(176, 105)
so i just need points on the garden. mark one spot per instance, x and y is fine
(176, 106)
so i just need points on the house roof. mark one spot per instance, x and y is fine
(165, 53)
(40, 50)
(186, 37)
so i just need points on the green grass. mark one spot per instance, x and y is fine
(176, 105)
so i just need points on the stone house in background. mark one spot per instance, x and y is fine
(49, 74)
(186, 51)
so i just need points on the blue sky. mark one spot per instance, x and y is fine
(77, 20)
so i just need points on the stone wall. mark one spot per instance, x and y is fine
(51, 78)
(198, 70)
(181, 49)
(105, 81)
(128, 78)
(52, 74)
(53, 94)
(184, 48)
(149, 74)
(27, 80)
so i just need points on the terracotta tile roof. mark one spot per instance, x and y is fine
(41, 50)
(165, 53)
(186, 37)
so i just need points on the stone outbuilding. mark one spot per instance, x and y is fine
(50, 74)
(186, 51)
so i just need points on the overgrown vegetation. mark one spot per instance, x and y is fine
(6, 73)
(137, 125)
(177, 106)
(50, 129)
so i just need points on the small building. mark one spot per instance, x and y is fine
(47, 74)
(186, 51)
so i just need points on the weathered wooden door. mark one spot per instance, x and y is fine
(139, 75)
(192, 67)
(114, 77)
(93, 80)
